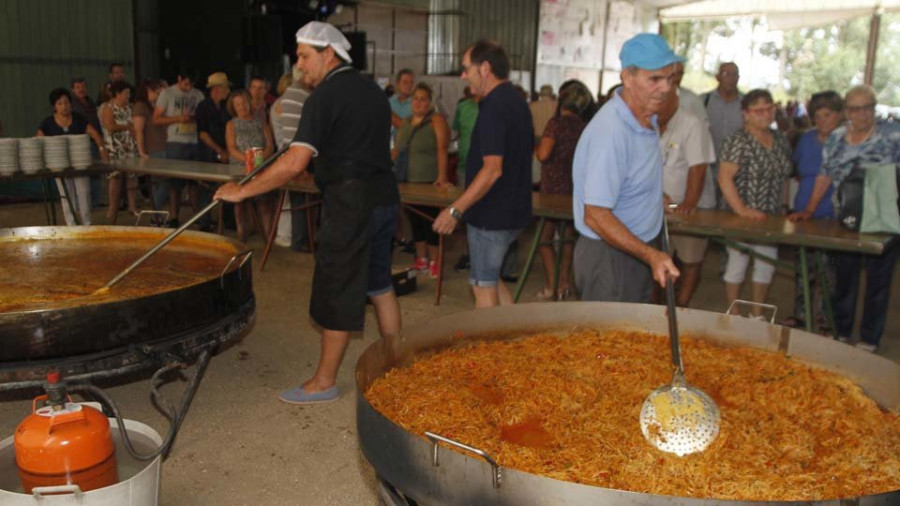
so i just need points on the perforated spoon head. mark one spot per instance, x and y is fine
(680, 419)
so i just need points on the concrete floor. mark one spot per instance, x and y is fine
(239, 445)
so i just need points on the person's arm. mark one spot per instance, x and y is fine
(109, 122)
(98, 140)
(727, 171)
(231, 142)
(160, 118)
(442, 135)
(696, 178)
(396, 121)
(206, 139)
(270, 142)
(488, 175)
(139, 122)
(820, 188)
(290, 165)
(602, 221)
(543, 150)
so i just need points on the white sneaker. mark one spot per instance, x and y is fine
(871, 348)
(758, 317)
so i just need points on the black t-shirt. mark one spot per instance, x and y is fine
(50, 128)
(212, 120)
(346, 121)
(503, 128)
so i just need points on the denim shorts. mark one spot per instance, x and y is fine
(486, 251)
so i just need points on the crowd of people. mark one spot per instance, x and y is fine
(651, 148)
(178, 122)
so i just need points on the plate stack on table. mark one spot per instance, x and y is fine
(31, 155)
(9, 156)
(56, 153)
(79, 151)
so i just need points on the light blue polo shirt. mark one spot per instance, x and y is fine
(618, 165)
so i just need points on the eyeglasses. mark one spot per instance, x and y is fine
(762, 109)
(856, 109)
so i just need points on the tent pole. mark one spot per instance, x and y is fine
(872, 49)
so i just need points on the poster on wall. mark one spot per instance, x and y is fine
(622, 26)
(571, 33)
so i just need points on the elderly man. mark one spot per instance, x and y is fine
(617, 175)
(497, 200)
(542, 110)
(723, 107)
(346, 126)
(687, 151)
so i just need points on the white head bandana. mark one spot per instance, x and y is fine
(319, 34)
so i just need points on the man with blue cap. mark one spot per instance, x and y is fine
(617, 175)
(346, 127)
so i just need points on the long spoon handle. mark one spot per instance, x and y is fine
(169, 238)
(670, 306)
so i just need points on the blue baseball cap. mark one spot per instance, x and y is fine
(647, 51)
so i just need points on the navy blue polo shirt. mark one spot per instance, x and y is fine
(504, 129)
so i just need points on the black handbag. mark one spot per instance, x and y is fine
(850, 198)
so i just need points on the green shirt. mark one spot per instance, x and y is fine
(463, 123)
(422, 150)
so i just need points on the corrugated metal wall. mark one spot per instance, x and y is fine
(44, 43)
(512, 23)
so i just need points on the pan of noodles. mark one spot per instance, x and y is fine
(540, 404)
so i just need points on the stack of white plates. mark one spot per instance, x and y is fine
(79, 151)
(56, 153)
(31, 155)
(9, 156)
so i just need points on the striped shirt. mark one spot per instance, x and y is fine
(285, 114)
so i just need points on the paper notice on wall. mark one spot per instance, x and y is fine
(571, 33)
(622, 26)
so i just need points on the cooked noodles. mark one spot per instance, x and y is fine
(566, 406)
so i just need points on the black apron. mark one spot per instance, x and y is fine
(341, 273)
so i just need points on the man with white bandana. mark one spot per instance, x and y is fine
(346, 127)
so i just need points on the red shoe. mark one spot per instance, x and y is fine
(421, 265)
(434, 269)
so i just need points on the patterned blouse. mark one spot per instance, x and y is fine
(121, 145)
(761, 172)
(556, 172)
(839, 158)
(248, 133)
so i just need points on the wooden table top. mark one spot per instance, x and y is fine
(774, 229)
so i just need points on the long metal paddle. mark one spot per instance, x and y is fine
(169, 238)
(678, 418)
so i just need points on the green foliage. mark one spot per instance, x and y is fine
(830, 57)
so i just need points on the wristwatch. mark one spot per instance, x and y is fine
(454, 212)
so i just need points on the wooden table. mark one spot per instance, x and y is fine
(723, 225)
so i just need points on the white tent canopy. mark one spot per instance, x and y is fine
(780, 14)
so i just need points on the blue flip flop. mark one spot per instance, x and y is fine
(300, 396)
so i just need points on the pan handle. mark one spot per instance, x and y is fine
(39, 492)
(246, 256)
(436, 438)
(741, 302)
(164, 214)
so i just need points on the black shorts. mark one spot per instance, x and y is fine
(353, 256)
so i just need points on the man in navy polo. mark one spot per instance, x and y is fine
(497, 200)
(617, 174)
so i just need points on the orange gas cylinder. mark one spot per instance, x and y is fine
(65, 444)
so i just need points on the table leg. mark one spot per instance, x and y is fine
(826, 292)
(273, 231)
(534, 246)
(557, 245)
(48, 206)
(804, 278)
(440, 276)
(64, 194)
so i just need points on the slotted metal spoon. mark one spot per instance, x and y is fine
(678, 418)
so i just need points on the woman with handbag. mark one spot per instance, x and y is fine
(862, 142)
(424, 137)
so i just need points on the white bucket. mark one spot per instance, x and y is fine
(142, 489)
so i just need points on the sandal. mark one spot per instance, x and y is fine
(546, 294)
